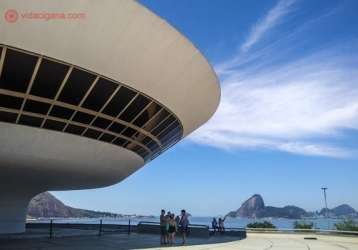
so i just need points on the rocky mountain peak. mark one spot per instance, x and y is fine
(251, 206)
(255, 207)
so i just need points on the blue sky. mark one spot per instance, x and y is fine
(288, 119)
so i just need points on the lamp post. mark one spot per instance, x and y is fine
(325, 199)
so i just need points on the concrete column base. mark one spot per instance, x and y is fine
(13, 210)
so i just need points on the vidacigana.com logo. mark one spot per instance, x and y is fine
(11, 16)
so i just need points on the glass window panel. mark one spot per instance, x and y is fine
(147, 114)
(61, 112)
(116, 127)
(107, 137)
(138, 136)
(163, 125)
(10, 102)
(135, 148)
(171, 136)
(74, 129)
(146, 140)
(101, 123)
(36, 107)
(120, 141)
(17, 70)
(83, 117)
(49, 78)
(99, 94)
(119, 101)
(7, 117)
(91, 133)
(134, 108)
(156, 120)
(129, 132)
(30, 120)
(153, 146)
(76, 86)
(54, 125)
(174, 126)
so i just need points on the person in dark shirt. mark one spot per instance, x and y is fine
(184, 225)
(163, 228)
(214, 224)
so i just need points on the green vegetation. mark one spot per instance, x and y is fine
(265, 224)
(302, 225)
(347, 225)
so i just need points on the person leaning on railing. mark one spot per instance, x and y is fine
(221, 225)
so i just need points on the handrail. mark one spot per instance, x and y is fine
(157, 223)
(149, 222)
(301, 230)
(233, 228)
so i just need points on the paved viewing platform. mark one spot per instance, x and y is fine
(254, 241)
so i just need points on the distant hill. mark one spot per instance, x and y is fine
(255, 207)
(47, 205)
(340, 211)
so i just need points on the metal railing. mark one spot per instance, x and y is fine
(297, 230)
(194, 230)
(57, 228)
(53, 228)
(157, 223)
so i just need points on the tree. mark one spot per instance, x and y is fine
(347, 225)
(302, 225)
(265, 224)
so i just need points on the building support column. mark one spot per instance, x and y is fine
(13, 210)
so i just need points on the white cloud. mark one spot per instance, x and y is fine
(291, 107)
(301, 104)
(267, 23)
(316, 150)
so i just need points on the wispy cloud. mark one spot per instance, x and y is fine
(297, 106)
(268, 22)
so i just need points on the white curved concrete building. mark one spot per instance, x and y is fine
(85, 103)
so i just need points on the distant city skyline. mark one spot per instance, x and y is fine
(287, 124)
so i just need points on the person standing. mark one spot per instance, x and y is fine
(172, 229)
(163, 228)
(221, 225)
(184, 225)
(177, 220)
(214, 224)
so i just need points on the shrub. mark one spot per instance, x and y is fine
(265, 224)
(302, 225)
(347, 225)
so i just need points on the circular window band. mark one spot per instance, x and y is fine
(161, 129)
